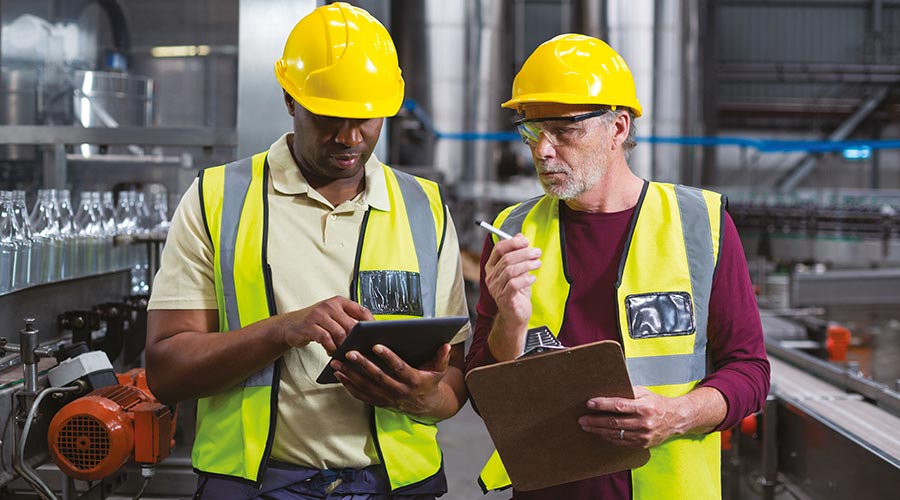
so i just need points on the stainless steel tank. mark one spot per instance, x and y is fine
(110, 99)
(18, 106)
(105, 99)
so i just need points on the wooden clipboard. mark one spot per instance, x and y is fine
(531, 406)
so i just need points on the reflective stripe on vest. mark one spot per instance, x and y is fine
(238, 176)
(237, 182)
(672, 248)
(423, 228)
(233, 429)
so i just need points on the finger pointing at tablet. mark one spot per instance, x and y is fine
(326, 322)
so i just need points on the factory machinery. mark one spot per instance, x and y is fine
(829, 289)
(70, 397)
(77, 419)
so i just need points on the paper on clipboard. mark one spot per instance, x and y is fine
(531, 406)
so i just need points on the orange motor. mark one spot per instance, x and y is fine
(93, 436)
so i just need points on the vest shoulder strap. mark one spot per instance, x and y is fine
(512, 218)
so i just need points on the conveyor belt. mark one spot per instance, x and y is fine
(779, 328)
(858, 419)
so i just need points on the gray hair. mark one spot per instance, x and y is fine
(630, 141)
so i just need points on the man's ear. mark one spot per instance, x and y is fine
(621, 127)
(289, 102)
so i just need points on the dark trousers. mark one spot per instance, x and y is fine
(290, 482)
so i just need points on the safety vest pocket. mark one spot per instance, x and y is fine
(391, 292)
(659, 314)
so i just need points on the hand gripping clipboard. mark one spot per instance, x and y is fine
(531, 406)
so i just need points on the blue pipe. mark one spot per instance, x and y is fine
(761, 145)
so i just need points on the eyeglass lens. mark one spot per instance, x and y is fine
(559, 131)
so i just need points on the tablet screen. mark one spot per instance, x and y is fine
(414, 340)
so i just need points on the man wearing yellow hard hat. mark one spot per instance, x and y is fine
(606, 255)
(271, 260)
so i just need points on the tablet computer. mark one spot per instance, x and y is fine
(414, 340)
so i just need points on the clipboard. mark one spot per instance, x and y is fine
(414, 340)
(531, 406)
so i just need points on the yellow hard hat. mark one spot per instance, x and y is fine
(574, 69)
(340, 61)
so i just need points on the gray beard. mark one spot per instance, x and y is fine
(574, 184)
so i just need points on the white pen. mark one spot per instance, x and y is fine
(501, 234)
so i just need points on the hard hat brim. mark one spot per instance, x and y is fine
(352, 110)
(560, 98)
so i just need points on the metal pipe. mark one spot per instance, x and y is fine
(473, 170)
(770, 448)
(28, 341)
(68, 489)
(691, 94)
(519, 33)
(566, 13)
(877, 28)
(655, 89)
(710, 107)
(27, 472)
(590, 18)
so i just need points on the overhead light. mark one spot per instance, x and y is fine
(180, 51)
(857, 153)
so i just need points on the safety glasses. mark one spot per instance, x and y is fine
(559, 130)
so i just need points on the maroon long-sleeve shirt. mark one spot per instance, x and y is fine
(594, 245)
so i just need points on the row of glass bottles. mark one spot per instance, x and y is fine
(55, 243)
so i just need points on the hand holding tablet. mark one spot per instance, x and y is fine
(414, 340)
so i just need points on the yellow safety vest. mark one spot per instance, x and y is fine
(667, 266)
(235, 428)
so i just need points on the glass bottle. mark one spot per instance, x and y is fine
(126, 219)
(110, 218)
(105, 234)
(87, 221)
(159, 216)
(71, 242)
(8, 248)
(145, 222)
(45, 226)
(35, 244)
(140, 280)
(22, 258)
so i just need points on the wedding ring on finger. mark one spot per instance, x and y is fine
(621, 434)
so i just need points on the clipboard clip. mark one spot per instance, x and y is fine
(539, 340)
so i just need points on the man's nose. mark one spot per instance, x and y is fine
(544, 148)
(349, 134)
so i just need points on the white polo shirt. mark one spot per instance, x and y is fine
(312, 250)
